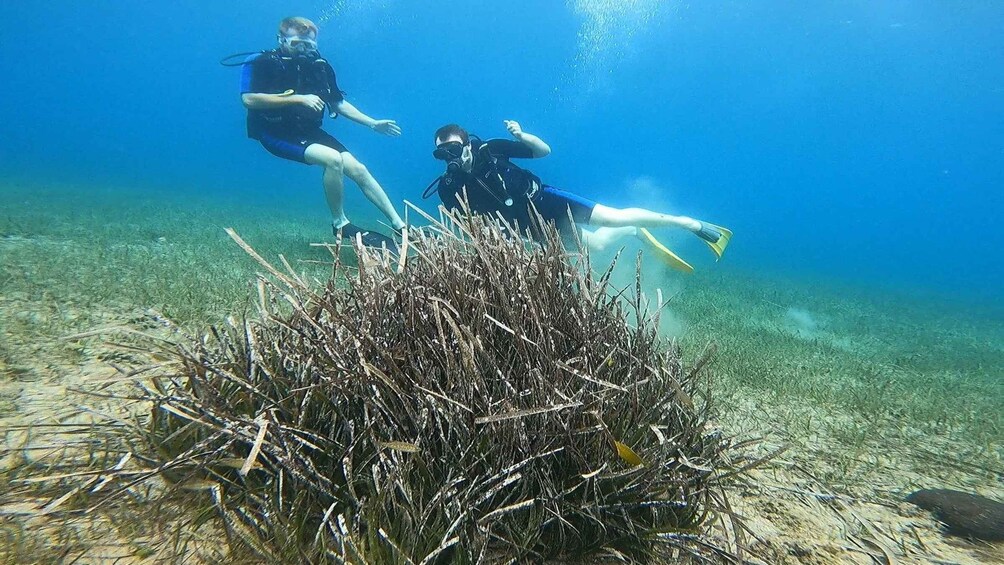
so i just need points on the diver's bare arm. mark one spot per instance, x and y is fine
(261, 101)
(386, 127)
(537, 146)
(346, 109)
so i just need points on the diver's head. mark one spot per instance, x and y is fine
(298, 36)
(453, 145)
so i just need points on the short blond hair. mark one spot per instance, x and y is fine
(298, 25)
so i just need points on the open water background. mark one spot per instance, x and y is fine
(853, 141)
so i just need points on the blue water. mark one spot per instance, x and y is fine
(856, 140)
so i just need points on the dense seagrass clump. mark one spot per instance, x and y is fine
(481, 401)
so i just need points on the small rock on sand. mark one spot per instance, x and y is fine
(963, 513)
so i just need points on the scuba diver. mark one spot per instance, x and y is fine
(482, 173)
(285, 91)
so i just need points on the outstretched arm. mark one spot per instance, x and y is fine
(386, 127)
(536, 144)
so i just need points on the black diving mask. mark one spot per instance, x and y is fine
(449, 151)
(452, 152)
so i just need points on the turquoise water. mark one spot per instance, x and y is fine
(853, 141)
(855, 148)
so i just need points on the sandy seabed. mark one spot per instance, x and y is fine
(799, 366)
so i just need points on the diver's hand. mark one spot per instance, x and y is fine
(311, 101)
(514, 129)
(537, 146)
(387, 127)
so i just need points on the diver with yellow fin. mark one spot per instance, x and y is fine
(482, 173)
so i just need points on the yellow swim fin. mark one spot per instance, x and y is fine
(663, 252)
(716, 237)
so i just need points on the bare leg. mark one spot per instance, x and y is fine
(334, 185)
(620, 217)
(602, 238)
(371, 189)
(637, 219)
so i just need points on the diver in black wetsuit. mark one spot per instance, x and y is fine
(285, 92)
(482, 173)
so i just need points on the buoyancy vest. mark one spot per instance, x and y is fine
(276, 73)
(494, 183)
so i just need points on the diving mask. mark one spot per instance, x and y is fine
(299, 44)
(453, 153)
(449, 151)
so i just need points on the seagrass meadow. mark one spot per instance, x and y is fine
(169, 393)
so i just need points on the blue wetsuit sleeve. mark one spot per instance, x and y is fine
(248, 72)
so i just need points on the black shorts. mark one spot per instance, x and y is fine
(292, 144)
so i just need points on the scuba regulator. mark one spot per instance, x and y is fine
(452, 152)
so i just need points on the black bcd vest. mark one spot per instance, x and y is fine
(302, 75)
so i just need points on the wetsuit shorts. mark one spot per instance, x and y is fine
(553, 204)
(292, 144)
